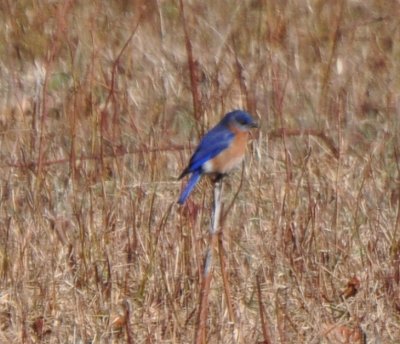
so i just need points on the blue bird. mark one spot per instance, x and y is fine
(220, 150)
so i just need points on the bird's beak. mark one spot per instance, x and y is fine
(254, 125)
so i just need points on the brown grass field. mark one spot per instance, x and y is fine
(101, 105)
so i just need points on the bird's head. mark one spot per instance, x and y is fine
(240, 120)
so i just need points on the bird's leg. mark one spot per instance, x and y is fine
(218, 177)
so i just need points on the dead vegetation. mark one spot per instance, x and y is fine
(101, 104)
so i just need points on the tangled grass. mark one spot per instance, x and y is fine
(101, 104)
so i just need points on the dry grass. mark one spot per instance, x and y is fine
(98, 115)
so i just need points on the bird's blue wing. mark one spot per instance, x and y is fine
(213, 143)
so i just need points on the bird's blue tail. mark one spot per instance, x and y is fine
(189, 186)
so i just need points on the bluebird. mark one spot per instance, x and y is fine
(220, 150)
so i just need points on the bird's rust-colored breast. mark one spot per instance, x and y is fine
(233, 155)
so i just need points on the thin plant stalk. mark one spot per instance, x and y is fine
(200, 336)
